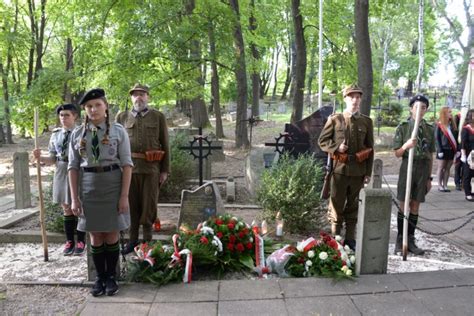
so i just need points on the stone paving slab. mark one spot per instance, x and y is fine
(453, 301)
(202, 291)
(466, 275)
(399, 303)
(434, 279)
(305, 287)
(131, 293)
(115, 309)
(194, 309)
(371, 284)
(257, 307)
(249, 290)
(339, 305)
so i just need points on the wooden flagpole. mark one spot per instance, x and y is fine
(40, 191)
(411, 154)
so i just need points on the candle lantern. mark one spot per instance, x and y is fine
(264, 227)
(279, 225)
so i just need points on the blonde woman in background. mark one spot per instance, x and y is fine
(446, 133)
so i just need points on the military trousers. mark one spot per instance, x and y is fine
(143, 199)
(344, 202)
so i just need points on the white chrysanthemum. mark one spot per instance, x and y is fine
(323, 255)
(338, 238)
(309, 263)
(218, 243)
(310, 254)
(347, 248)
(349, 272)
(344, 269)
(352, 259)
(300, 248)
(207, 230)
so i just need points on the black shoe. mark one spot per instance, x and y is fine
(99, 288)
(398, 244)
(351, 243)
(458, 188)
(111, 286)
(413, 248)
(130, 247)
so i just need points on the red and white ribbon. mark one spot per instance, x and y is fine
(259, 253)
(306, 244)
(188, 268)
(175, 257)
(143, 253)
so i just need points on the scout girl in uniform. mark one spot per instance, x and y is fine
(58, 154)
(99, 158)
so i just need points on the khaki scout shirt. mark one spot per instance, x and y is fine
(425, 145)
(357, 132)
(147, 132)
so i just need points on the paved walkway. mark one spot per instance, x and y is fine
(426, 293)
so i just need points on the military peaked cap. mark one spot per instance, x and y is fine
(353, 88)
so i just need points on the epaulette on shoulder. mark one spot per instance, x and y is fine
(57, 129)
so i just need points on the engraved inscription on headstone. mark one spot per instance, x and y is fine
(198, 205)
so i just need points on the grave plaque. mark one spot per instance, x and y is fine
(198, 205)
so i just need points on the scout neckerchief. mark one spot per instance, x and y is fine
(95, 144)
(65, 143)
(447, 133)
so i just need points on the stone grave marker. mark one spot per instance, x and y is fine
(198, 205)
(373, 226)
(21, 175)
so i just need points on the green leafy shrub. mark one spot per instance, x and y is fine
(293, 187)
(181, 170)
(54, 217)
(391, 113)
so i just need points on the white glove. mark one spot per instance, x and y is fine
(463, 158)
(440, 155)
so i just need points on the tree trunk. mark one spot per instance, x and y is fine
(275, 72)
(421, 49)
(215, 93)
(364, 54)
(199, 117)
(311, 75)
(6, 99)
(68, 54)
(241, 137)
(293, 71)
(289, 67)
(256, 57)
(300, 69)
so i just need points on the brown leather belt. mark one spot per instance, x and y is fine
(138, 155)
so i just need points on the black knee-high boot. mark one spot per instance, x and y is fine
(99, 259)
(398, 244)
(112, 253)
(412, 222)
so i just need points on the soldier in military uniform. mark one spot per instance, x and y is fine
(148, 134)
(58, 154)
(348, 137)
(424, 146)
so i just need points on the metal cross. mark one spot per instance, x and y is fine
(253, 121)
(203, 151)
(288, 143)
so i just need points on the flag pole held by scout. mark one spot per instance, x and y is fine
(40, 191)
(329, 169)
(411, 154)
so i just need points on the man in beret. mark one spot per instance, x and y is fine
(349, 138)
(149, 143)
(424, 145)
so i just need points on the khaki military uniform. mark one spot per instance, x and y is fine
(348, 178)
(147, 130)
(422, 160)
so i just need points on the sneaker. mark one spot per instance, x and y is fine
(398, 244)
(99, 288)
(458, 188)
(80, 247)
(130, 247)
(68, 248)
(111, 286)
(413, 248)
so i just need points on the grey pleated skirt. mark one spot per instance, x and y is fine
(61, 193)
(100, 194)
